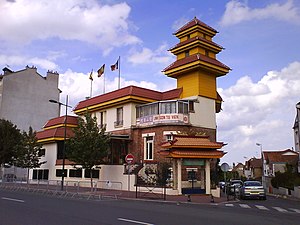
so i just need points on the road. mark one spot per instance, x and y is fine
(32, 209)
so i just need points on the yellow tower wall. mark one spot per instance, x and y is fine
(197, 83)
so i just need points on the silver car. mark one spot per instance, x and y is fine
(252, 189)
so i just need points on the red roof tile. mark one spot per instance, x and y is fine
(187, 153)
(281, 156)
(194, 58)
(72, 120)
(195, 142)
(197, 38)
(58, 132)
(129, 91)
(192, 23)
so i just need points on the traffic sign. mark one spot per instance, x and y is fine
(224, 167)
(129, 158)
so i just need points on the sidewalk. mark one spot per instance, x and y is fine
(116, 194)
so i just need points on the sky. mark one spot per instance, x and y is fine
(76, 37)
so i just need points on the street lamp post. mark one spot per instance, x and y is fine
(263, 163)
(65, 137)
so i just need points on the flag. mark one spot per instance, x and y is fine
(115, 66)
(101, 70)
(91, 76)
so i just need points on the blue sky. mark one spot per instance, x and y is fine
(260, 40)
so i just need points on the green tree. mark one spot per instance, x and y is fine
(30, 153)
(89, 145)
(10, 141)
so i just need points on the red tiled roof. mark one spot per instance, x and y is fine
(195, 142)
(200, 39)
(192, 23)
(130, 91)
(194, 58)
(280, 156)
(186, 153)
(72, 120)
(58, 132)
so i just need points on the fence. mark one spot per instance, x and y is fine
(98, 189)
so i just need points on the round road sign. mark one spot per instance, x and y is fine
(224, 167)
(129, 158)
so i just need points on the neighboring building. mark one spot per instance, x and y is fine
(176, 127)
(24, 100)
(296, 129)
(253, 169)
(24, 97)
(276, 161)
(239, 168)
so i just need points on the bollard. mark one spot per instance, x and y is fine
(189, 198)
(212, 199)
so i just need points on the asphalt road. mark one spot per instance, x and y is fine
(20, 208)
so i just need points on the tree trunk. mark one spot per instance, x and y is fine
(27, 179)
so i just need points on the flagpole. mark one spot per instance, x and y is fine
(103, 83)
(119, 71)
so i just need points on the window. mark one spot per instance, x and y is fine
(187, 53)
(40, 174)
(149, 148)
(42, 152)
(191, 106)
(169, 137)
(95, 174)
(58, 173)
(168, 107)
(192, 174)
(101, 123)
(119, 121)
(75, 173)
(60, 149)
(206, 52)
(183, 107)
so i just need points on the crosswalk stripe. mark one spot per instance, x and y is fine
(280, 209)
(296, 210)
(245, 206)
(261, 207)
(231, 205)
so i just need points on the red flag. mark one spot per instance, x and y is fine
(115, 66)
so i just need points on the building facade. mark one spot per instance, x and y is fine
(176, 128)
(24, 97)
(24, 100)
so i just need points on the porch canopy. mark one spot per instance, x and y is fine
(193, 147)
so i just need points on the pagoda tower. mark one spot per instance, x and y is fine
(196, 67)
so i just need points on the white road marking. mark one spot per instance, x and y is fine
(231, 205)
(296, 210)
(261, 207)
(134, 221)
(280, 209)
(12, 199)
(245, 206)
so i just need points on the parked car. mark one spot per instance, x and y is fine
(222, 185)
(234, 187)
(253, 189)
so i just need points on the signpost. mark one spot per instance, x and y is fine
(129, 158)
(225, 168)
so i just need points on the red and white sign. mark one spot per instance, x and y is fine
(129, 158)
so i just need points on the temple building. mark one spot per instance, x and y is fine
(175, 128)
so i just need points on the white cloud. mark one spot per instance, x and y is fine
(16, 60)
(147, 56)
(78, 86)
(261, 112)
(237, 12)
(26, 20)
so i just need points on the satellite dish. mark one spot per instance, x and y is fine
(224, 167)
